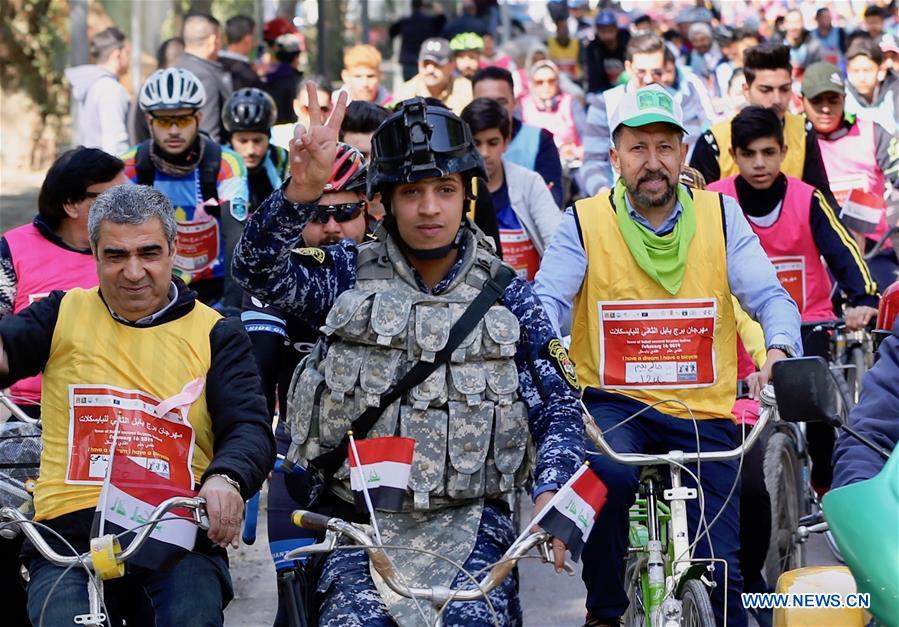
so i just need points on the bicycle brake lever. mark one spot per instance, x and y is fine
(325, 546)
(547, 557)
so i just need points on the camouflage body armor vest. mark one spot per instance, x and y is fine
(467, 418)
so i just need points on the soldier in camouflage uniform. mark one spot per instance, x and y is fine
(383, 306)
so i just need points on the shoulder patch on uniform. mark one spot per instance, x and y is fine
(316, 254)
(560, 359)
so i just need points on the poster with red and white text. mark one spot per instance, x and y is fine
(163, 445)
(664, 344)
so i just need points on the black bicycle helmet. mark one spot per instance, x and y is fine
(249, 109)
(419, 141)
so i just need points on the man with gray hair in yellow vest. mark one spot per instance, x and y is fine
(645, 272)
(140, 375)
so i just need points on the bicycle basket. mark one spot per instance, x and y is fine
(20, 458)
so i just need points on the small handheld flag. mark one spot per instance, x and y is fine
(863, 212)
(570, 514)
(385, 465)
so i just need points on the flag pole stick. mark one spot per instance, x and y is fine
(371, 510)
(104, 492)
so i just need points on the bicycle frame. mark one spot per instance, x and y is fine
(661, 578)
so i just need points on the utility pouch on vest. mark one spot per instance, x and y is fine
(321, 469)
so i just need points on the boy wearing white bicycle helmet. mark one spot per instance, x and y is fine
(206, 183)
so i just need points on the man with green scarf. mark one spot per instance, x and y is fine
(645, 275)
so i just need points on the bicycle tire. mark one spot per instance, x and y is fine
(783, 480)
(843, 391)
(634, 616)
(858, 366)
(696, 605)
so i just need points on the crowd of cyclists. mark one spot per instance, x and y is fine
(676, 197)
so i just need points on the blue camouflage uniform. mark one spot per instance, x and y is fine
(306, 285)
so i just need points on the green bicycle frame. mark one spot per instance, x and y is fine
(648, 537)
(661, 557)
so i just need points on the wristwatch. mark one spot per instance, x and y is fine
(234, 484)
(788, 350)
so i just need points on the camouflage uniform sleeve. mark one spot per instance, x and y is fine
(270, 263)
(548, 386)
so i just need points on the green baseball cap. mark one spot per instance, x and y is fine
(820, 78)
(646, 105)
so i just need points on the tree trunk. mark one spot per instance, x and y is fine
(287, 9)
(201, 6)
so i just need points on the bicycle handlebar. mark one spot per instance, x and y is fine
(769, 404)
(16, 411)
(437, 595)
(195, 504)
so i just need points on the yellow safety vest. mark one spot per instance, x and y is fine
(566, 57)
(90, 347)
(613, 275)
(794, 138)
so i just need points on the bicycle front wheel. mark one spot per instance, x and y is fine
(696, 605)
(783, 480)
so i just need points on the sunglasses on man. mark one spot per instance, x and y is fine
(168, 121)
(341, 213)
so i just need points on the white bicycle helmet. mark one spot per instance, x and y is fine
(172, 88)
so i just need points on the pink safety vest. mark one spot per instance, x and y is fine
(851, 163)
(790, 245)
(41, 267)
(559, 122)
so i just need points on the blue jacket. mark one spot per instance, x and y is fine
(876, 417)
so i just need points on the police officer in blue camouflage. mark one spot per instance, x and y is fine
(502, 406)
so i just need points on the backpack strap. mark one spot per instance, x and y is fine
(146, 172)
(209, 167)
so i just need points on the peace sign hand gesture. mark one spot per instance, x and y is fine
(312, 150)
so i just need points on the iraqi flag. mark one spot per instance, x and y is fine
(134, 486)
(384, 465)
(573, 510)
(863, 212)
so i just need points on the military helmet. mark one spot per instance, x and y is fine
(421, 140)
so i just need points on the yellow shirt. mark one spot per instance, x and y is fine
(630, 336)
(90, 348)
(456, 96)
(566, 57)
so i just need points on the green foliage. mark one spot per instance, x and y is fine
(33, 52)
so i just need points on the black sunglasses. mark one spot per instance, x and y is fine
(341, 213)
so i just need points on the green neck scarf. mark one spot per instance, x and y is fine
(662, 258)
